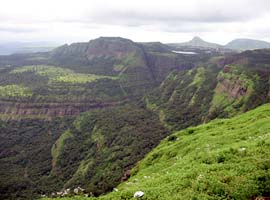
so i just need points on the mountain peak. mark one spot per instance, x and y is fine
(196, 38)
(198, 42)
(101, 47)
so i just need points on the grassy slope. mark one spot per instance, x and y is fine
(223, 159)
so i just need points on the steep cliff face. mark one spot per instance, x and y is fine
(183, 98)
(260, 57)
(223, 87)
(110, 49)
(117, 47)
(234, 89)
(13, 110)
(105, 47)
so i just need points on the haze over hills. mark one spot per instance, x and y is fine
(26, 47)
(198, 42)
(247, 44)
(85, 114)
(236, 44)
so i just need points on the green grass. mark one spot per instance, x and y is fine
(15, 91)
(199, 76)
(223, 159)
(198, 81)
(57, 147)
(58, 74)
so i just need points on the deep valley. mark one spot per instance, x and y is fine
(112, 111)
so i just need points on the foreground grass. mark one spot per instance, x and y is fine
(224, 159)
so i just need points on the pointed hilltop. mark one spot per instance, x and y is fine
(198, 42)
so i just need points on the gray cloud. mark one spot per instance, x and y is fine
(177, 12)
(80, 18)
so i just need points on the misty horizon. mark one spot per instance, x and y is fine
(164, 21)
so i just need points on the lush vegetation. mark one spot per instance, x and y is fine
(25, 157)
(116, 99)
(223, 159)
(58, 74)
(181, 99)
(233, 90)
(15, 91)
(103, 144)
(44, 84)
(190, 97)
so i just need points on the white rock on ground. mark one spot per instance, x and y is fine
(138, 194)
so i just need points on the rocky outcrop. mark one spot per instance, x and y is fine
(234, 89)
(17, 109)
(104, 47)
(115, 47)
(162, 64)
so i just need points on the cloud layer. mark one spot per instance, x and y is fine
(140, 20)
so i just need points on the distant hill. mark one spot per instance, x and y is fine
(247, 44)
(198, 42)
(236, 44)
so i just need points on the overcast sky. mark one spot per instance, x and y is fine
(140, 20)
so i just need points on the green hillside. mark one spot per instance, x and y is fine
(101, 145)
(84, 101)
(190, 97)
(223, 159)
(86, 113)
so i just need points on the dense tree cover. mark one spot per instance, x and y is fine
(103, 144)
(25, 156)
(39, 83)
(147, 90)
(223, 159)
(190, 97)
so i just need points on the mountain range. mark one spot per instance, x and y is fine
(112, 111)
(237, 44)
